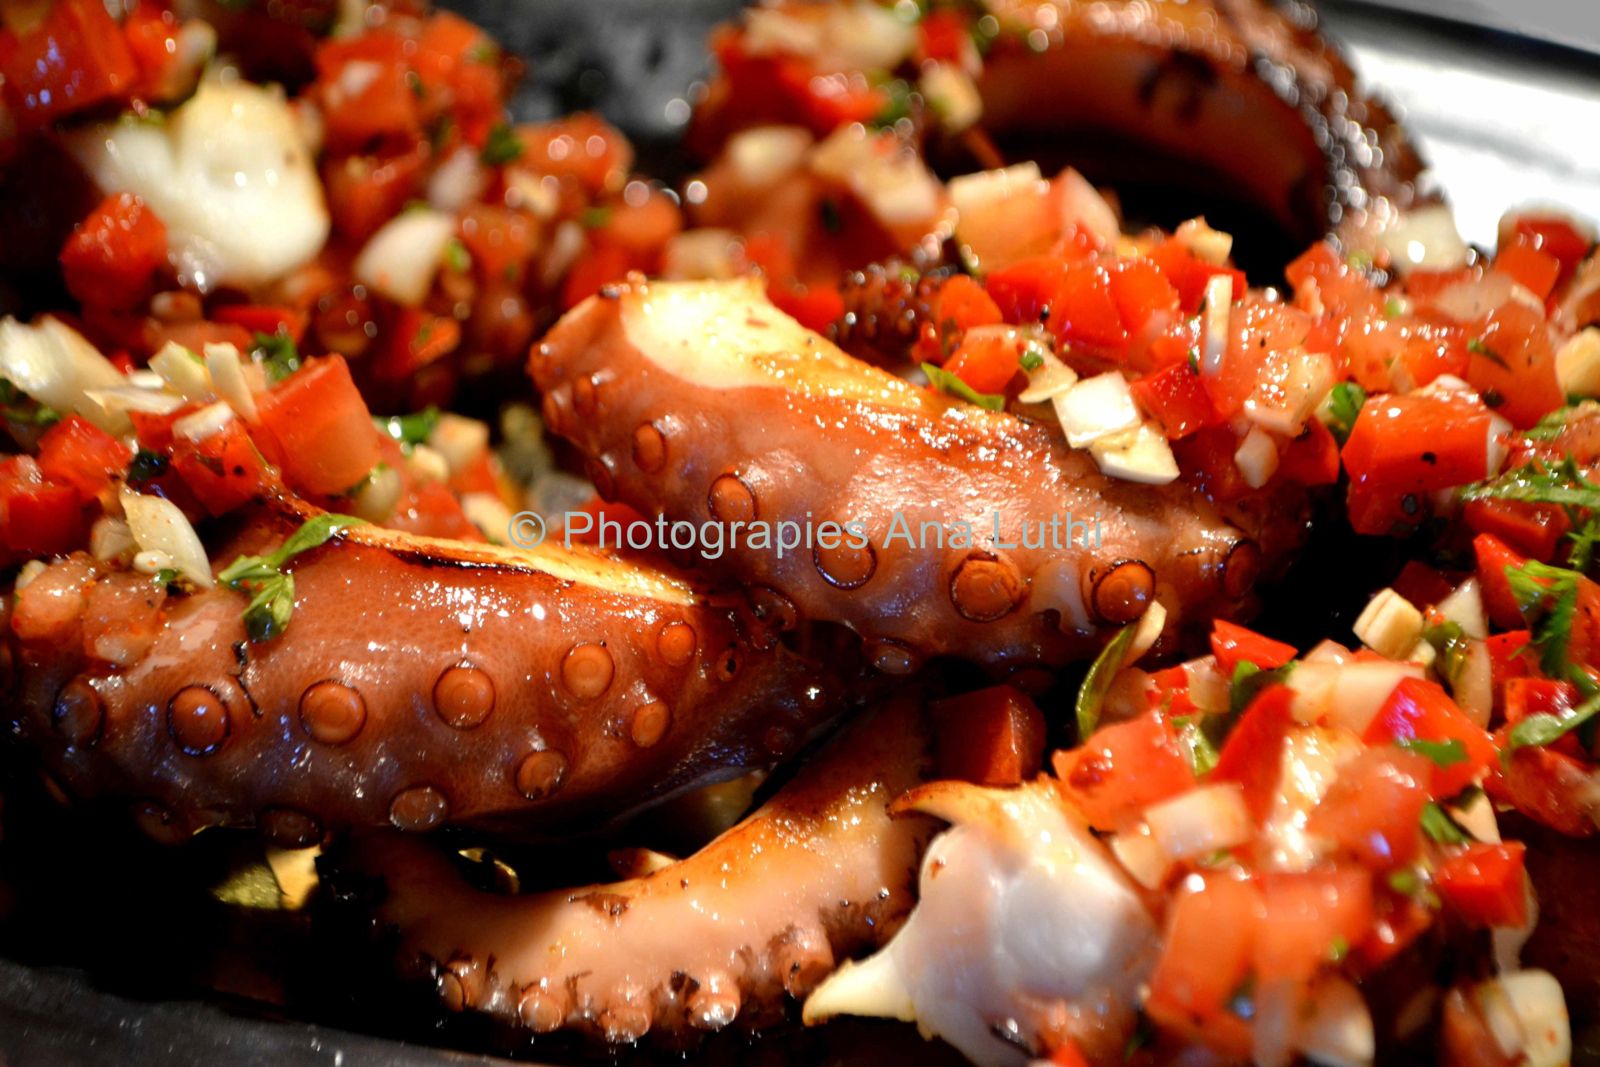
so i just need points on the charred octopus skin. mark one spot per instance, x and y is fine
(1244, 99)
(704, 404)
(724, 937)
(420, 682)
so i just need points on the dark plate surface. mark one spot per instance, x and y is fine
(1504, 120)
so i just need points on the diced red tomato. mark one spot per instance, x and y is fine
(1549, 787)
(1373, 810)
(75, 58)
(1512, 365)
(1421, 584)
(1233, 644)
(1535, 529)
(152, 34)
(1206, 459)
(363, 84)
(1312, 458)
(1494, 558)
(1123, 769)
(994, 737)
(366, 191)
(962, 304)
(1176, 398)
(1419, 709)
(1083, 311)
(1553, 235)
(1189, 275)
(1252, 755)
(1142, 293)
(987, 360)
(78, 453)
(944, 36)
(1538, 696)
(1508, 655)
(112, 257)
(1399, 920)
(1418, 443)
(1484, 884)
(224, 470)
(1308, 916)
(816, 307)
(38, 518)
(599, 266)
(500, 242)
(1265, 340)
(1534, 270)
(415, 340)
(320, 428)
(1024, 290)
(1207, 954)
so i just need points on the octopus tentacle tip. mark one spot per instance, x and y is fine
(737, 930)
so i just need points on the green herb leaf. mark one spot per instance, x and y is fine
(272, 591)
(1092, 694)
(1547, 596)
(896, 105)
(1196, 745)
(1440, 827)
(277, 353)
(1032, 357)
(946, 382)
(1478, 347)
(1451, 645)
(410, 430)
(456, 256)
(1405, 881)
(503, 146)
(1539, 483)
(595, 218)
(1442, 753)
(1550, 425)
(1343, 408)
(1542, 729)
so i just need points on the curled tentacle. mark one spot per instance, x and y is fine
(956, 531)
(419, 682)
(754, 918)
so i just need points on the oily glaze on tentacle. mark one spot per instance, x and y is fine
(419, 682)
(729, 934)
(704, 403)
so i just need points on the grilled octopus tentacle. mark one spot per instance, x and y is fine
(757, 916)
(418, 682)
(750, 419)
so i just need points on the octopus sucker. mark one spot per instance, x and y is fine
(731, 935)
(907, 469)
(421, 682)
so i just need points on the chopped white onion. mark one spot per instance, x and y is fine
(229, 173)
(1578, 363)
(460, 440)
(110, 539)
(1083, 208)
(1143, 456)
(951, 94)
(127, 398)
(1335, 1028)
(1464, 607)
(1201, 821)
(1425, 237)
(207, 422)
(765, 155)
(1205, 244)
(854, 36)
(458, 182)
(1473, 685)
(1389, 625)
(1140, 856)
(376, 499)
(1362, 688)
(1218, 309)
(183, 371)
(226, 368)
(488, 513)
(1257, 457)
(427, 465)
(971, 193)
(888, 177)
(53, 364)
(1095, 408)
(159, 527)
(401, 259)
(1312, 683)
(1048, 381)
(1541, 1013)
(1285, 406)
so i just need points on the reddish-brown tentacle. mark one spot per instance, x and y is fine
(763, 422)
(730, 934)
(419, 682)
